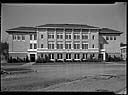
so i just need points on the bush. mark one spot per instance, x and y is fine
(40, 60)
(18, 60)
(114, 59)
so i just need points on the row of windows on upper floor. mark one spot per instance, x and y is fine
(51, 36)
(110, 37)
(22, 37)
(67, 36)
(60, 46)
(19, 37)
(59, 36)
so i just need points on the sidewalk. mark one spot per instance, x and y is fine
(91, 84)
(28, 64)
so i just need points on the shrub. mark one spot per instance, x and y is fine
(26, 59)
(114, 59)
(40, 60)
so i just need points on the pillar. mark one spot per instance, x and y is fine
(104, 57)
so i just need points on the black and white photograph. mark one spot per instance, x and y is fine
(63, 47)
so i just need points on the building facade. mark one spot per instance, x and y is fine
(123, 50)
(63, 42)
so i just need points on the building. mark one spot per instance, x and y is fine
(63, 42)
(123, 49)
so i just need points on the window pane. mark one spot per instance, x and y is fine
(52, 46)
(69, 36)
(93, 46)
(57, 36)
(35, 37)
(42, 36)
(69, 46)
(93, 37)
(111, 38)
(35, 46)
(30, 46)
(23, 37)
(18, 37)
(41, 45)
(84, 36)
(30, 37)
(114, 37)
(52, 36)
(13, 37)
(61, 36)
(107, 38)
(66, 36)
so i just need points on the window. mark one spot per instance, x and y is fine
(93, 37)
(35, 46)
(114, 37)
(84, 45)
(107, 38)
(93, 55)
(51, 56)
(35, 37)
(23, 37)
(59, 56)
(68, 36)
(68, 45)
(42, 36)
(41, 45)
(30, 36)
(18, 37)
(59, 35)
(101, 46)
(50, 35)
(76, 45)
(84, 56)
(68, 56)
(93, 46)
(30, 46)
(111, 38)
(76, 36)
(50, 45)
(84, 36)
(14, 37)
(41, 55)
(77, 56)
(59, 45)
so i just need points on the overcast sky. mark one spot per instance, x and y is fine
(110, 16)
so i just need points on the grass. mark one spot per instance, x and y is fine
(15, 69)
(10, 64)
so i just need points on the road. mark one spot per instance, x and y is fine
(68, 77)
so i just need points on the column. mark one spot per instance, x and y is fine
(80, 38)
(104, 56)
(72, 46)
(63, 38)
(55, 34)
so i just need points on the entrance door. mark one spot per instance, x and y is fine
(101, 56)
(32, 57)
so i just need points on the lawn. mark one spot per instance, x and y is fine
(48, 75)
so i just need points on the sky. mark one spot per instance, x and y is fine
(111, 16)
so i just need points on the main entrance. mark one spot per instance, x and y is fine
(32, 57)
(101, 56)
